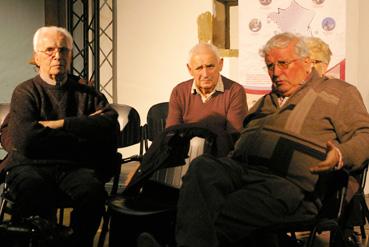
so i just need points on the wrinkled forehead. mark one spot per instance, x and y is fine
(53, 39)
(203, 58)
(282, 53)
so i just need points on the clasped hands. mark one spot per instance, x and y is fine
(333, 161)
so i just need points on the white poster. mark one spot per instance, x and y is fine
(259, 20)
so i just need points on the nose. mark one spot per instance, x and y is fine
(204, 72)
(276, 71)
(56, 55)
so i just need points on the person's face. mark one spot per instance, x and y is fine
(320, 67)
(53, 55)
(286, 70)
(205, 69)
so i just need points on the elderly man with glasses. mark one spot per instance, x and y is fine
(306, 125)
(62, 140)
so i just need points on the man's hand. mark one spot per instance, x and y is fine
(332, 161)
(95, 113)
(53, 124)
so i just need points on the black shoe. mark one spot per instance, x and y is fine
(147, 240)
(352, 240)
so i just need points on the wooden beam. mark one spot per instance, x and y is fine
(55, 13)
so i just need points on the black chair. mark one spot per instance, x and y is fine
(331, 190)
(130, 135)
(148, 203)
(6, 202)
(155, 125)
(155, 122)
(4, 110)
(358, 214)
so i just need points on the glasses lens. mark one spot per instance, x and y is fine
(283, 64)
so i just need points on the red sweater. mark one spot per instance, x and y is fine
(224, 111)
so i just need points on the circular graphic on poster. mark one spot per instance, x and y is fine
(265, 2)
(328, 24)
(255, 25)
(318, 2)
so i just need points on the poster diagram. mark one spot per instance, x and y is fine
(259, 20)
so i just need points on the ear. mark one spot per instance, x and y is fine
(221, 64)
(36, 59)
(189, 69)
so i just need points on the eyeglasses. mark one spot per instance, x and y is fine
(51, 51)
(316, 61)
(281, 64)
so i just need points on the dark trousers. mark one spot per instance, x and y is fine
(36, 190)
(222, 203)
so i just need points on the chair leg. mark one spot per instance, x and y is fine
(362, 231)
(104, 228)
(2, 209)
(364, 207)
(310, 242)
(365, 212)
(61, 216)
(337, 238)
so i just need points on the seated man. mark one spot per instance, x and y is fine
(307, 125)
(61, 139)
(209, 99)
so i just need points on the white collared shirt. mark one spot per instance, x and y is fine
(205, 98)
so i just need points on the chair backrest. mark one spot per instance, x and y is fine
(156, 118)
(4, 110)
(130, 134)
(130, 125)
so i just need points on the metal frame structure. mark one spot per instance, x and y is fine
(89, 29)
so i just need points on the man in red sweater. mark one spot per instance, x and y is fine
(209, 99)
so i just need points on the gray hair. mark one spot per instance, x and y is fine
(282, 40)
(197, 48)
(41, 30)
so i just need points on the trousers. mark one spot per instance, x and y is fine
(222, 202)
(36, 190)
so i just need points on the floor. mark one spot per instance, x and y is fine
(322, 240)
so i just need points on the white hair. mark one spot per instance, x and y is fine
(197, 49)
(41, 30)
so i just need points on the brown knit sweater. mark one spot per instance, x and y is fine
(290, 139)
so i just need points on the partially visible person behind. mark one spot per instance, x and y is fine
(319, 53)
(209, 99)
(61, 140)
